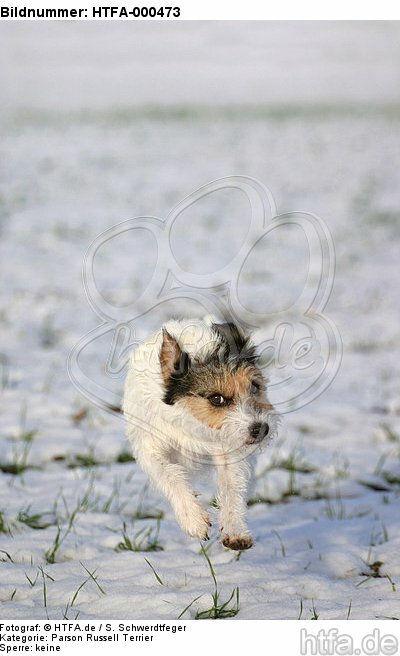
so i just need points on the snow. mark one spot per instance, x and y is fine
(79, 153)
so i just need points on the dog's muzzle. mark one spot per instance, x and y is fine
(257, 432)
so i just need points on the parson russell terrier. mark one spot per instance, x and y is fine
(194, 395)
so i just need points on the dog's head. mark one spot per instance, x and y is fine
(219, 383)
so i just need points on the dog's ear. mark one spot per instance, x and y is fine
(173, 361)
(238, 345)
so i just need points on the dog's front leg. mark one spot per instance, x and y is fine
(170, 479)
(232, 480)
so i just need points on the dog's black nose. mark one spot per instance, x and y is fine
(258, 431)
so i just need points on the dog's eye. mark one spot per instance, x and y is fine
(218, 400)
(255, 387)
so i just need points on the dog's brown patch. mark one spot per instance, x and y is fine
(174, 364)
(233, 383)
(169, 355)
(201, 408)
(225, 372)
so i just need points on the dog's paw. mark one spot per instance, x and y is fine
(195, 522)
(237, 542)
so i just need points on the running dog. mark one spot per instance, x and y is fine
(194, 395)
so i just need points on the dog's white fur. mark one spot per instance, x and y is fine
(168, 441)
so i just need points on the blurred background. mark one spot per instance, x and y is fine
(104, 121)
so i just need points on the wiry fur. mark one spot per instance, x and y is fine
(173, 425)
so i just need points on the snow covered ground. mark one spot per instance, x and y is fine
(77, 519)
